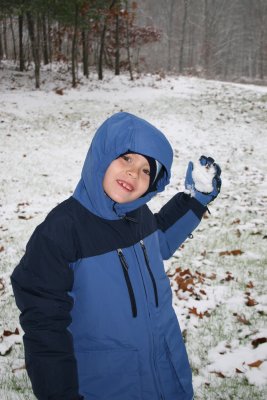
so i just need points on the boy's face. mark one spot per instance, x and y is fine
(127, 178)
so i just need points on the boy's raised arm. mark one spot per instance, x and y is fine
(41, 283)
(176, 221)
(181, 215)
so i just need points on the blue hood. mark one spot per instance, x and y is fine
(118, 134)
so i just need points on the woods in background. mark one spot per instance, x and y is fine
(223, 39)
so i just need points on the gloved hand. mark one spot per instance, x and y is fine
(203, 180)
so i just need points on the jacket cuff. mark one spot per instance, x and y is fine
(196, 206)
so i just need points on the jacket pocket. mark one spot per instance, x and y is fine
(175, 375)
(109, 374)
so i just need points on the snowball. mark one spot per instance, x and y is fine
(203, 176)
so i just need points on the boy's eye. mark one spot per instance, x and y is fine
(146, 171)
(126, 158)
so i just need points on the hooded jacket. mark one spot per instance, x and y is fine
(95, 301)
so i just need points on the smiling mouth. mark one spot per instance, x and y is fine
(125, 185)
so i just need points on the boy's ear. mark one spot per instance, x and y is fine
(153, 187)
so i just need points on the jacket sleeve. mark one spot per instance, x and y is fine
(176, 221)
(41, 283)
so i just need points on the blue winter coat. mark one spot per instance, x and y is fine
(96, 304)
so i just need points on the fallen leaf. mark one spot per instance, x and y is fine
(59, 91)
(255, 364)
(229, 277)
(251, 302)
(9, 333)
(19, 368)
(219, 374)
(23, 204)
(256, 342)
(2, 249)
(236, 252)
(238, 233)
(250, 285)
(242, 319)
(238, 371)
(236, 221)
(213, 276)
(186, 272)
(195, 312)
(184, 283)
(25, 217)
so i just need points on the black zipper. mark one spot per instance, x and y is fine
(128, 281)
(150, 273)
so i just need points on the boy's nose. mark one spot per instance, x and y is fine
(132, 173)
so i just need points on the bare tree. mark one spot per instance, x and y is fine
(33, 28)
(181, 59)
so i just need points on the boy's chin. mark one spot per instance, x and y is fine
(122, 199)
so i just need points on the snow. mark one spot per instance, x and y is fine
(203, 176)
(228, 357)
(44, 139)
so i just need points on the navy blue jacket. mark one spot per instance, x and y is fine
(96, 304)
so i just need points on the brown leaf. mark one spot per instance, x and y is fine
(213, 276)
(219, 374)
(235, 252)
(9, 333)
(236, 221)
(251, 302)
(186, 272)
(255, 364)
(184, 283)
(23, 204)
(229, 277)
(2, 249)
(256, 233)
(19, 368)
(238, 233)
(242, 319)
(25, 217)
(250, 285)
(238, 371)
(59, 91)
(255, 343)
(194, 312)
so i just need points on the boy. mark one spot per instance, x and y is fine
(96, 303)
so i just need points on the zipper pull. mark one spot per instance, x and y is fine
(128, 281)
(150, 272)
(122, 258)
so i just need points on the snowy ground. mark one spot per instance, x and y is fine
(218, 278)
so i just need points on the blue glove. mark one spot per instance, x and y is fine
(203, 182)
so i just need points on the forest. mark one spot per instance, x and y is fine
(214, 39)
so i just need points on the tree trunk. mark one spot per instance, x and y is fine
(5, 38)
(45, 47)
(128, 44)
(169, 29)
(181, 58)
(74, 48)
(117, 46)
(13, 38)
(102, 43)
(206, 50)
(35, 48)
(21, 51)
(49, 36)
(1, 44)
(85, 52)
(101, 51)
